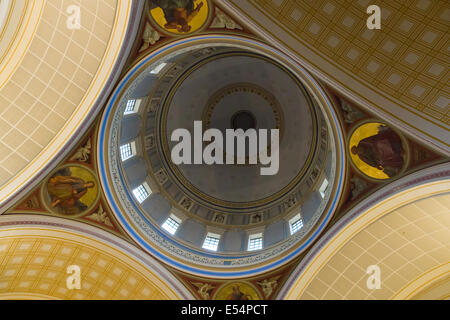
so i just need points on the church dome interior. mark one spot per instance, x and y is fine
(224, 150)
(251, 219)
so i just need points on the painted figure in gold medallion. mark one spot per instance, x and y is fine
(237, 291)
(237, 294)
(178, 13)
(69, 193)
(383, 151)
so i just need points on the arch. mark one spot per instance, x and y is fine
(36, 252)
(425, 282)
(388, 230)
(54, 81)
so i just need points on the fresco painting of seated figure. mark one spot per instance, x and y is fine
(237, 291)
(377, 150)
(71, 190)
(179, 16)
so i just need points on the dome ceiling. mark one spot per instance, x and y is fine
(217, 227)
(225, 86)
(239, 82)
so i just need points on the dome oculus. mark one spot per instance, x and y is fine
(236, 141)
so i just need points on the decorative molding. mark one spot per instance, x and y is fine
(161, 176)
(219, 218)
(222, 21)
(186, 203)
(149, 37)
(423, 178)
(100, 216)
(101, 238)
(269, 285)
(83, 154)
(204, 289)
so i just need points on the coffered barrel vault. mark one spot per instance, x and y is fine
(403, 229)
(399, 72)
(37, 252)
(54, 78)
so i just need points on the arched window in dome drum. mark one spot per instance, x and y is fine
(255, 242)
(211, 241)
(171, 224)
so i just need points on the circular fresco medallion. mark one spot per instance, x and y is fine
(179, 16)
(377, 150)
(71, 190)
(237, 291)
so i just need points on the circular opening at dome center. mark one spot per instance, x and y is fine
(243, 120)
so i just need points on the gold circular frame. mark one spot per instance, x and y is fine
(45, 195)
(405, 145)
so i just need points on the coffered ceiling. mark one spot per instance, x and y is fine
(52, 76)
(399, 72)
